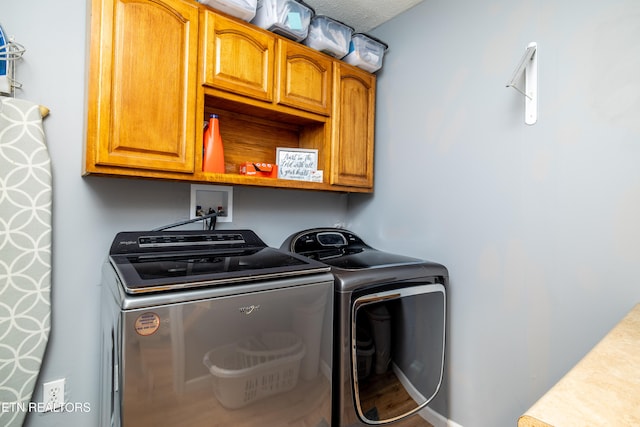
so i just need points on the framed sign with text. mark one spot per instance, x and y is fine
(296, 163)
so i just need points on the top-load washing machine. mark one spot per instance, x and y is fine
(389, 327)
(213, 328)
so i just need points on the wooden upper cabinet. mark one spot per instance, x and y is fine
(142, 98)
(158, 67)
(304, 78)
(237, 58)
(353, 127)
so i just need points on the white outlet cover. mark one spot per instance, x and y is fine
(53, 395)
(212, 196)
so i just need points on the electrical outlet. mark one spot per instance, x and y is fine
(53, 394)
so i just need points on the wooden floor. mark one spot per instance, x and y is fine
(385, 396)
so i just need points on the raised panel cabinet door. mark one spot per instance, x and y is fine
(304, 78)
(142, 84)
(353, 127)
(237, 58)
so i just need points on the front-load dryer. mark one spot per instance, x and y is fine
(389, 327)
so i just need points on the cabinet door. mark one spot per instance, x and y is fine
(237, 58)
(142, 85)
(304, 78)
(353, 127)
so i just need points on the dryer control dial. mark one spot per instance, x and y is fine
(331, 238)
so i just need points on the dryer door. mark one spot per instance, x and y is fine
(398, 342)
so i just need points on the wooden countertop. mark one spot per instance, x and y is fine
(603, 389)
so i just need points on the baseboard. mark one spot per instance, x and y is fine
(428, 414)
(435, 419)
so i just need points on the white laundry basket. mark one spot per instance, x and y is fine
(252, 369)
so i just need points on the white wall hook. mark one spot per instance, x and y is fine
(528, 66)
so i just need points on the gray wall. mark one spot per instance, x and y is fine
(537, 225)
(89, 211)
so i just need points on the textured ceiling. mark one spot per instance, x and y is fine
(362, 15)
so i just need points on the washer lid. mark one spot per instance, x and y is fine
(159, 261)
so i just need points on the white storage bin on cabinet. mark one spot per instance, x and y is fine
(243, 9)
(329, 36)
(255, 368)
(366, 52)
(288, 18)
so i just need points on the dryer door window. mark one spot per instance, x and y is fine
(398, 341)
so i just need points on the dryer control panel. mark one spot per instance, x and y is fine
(325, 243)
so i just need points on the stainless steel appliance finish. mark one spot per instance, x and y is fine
(389, 324)
(214, 328)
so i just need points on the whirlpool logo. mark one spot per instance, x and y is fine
(249, 309)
